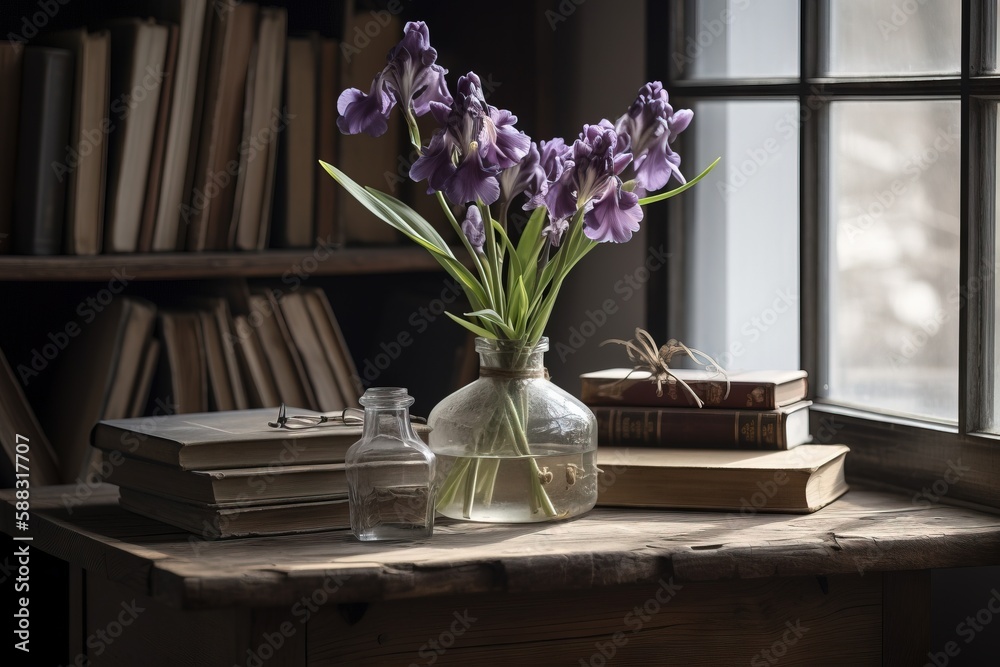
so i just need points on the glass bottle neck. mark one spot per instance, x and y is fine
(389, 422)
(508, 355)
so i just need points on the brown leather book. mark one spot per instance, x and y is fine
(155, 178)
(43, 135)
(83, 165)
(783, 428)
(182, 378)
(752, 390)
(294, 207)
(10, 86)
(327, 229)
(144, 379)
(210, 208)
(137, 65)
(226, 391)
(261, 131)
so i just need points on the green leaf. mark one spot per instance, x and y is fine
(478, 330)
(493, 317)
(518, 307)
(677, 191)
(531, 238)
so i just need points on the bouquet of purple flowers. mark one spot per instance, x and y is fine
(579, 195)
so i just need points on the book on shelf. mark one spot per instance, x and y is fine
(219, 440)
(251, 222)
(11, 60)
(261, 388)
(43, 134)
(182, 375)
(295, 196)
(306, 338)
(20, 430)
(281, 352)
(190, 16)
(799, 480)
(327, 135)
(226, 387)
(83, 164)
(254, 485)
(334, 345)
(237, 520)
(751, 390)
(154, 179)
(629, 426)
(138, 53)
(224, 75)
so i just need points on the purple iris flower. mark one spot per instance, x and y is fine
(473, 228)
(411, 77)
(555, 230)
(477, 141)
(552, 160)
(527, 176)
(590, 181)
(652, 124)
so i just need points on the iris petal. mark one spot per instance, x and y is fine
(615, 216)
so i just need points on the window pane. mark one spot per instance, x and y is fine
(742, 257)
(894, 37)
(894, 251)
(723, 39)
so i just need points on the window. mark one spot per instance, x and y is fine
(850, 228)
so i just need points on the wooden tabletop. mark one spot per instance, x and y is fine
(864, 531)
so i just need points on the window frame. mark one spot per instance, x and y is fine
(889, 450)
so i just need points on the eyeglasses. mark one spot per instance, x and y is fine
(345, 417)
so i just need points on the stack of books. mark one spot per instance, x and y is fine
(230, 474)
(743, 450)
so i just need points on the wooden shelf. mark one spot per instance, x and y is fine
(180, 266)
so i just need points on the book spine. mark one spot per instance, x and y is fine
(46, 103)
(653, 427)
(742, 395)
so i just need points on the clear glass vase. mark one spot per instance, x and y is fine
(512, 447)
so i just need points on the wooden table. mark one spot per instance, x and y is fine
(848, 585)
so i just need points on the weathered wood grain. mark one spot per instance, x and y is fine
(863, 532)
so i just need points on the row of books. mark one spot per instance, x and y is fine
(253, 349)
(745, 449)
(190, 125)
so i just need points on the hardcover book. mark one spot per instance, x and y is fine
(254, 485)
(222, 440)
(753, 390)
(798, 481)
(783, 428)
(239, 520)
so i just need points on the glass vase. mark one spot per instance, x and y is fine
(512, 447)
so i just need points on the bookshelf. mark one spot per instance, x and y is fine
(186, 266)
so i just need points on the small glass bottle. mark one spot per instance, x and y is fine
(390, 472)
